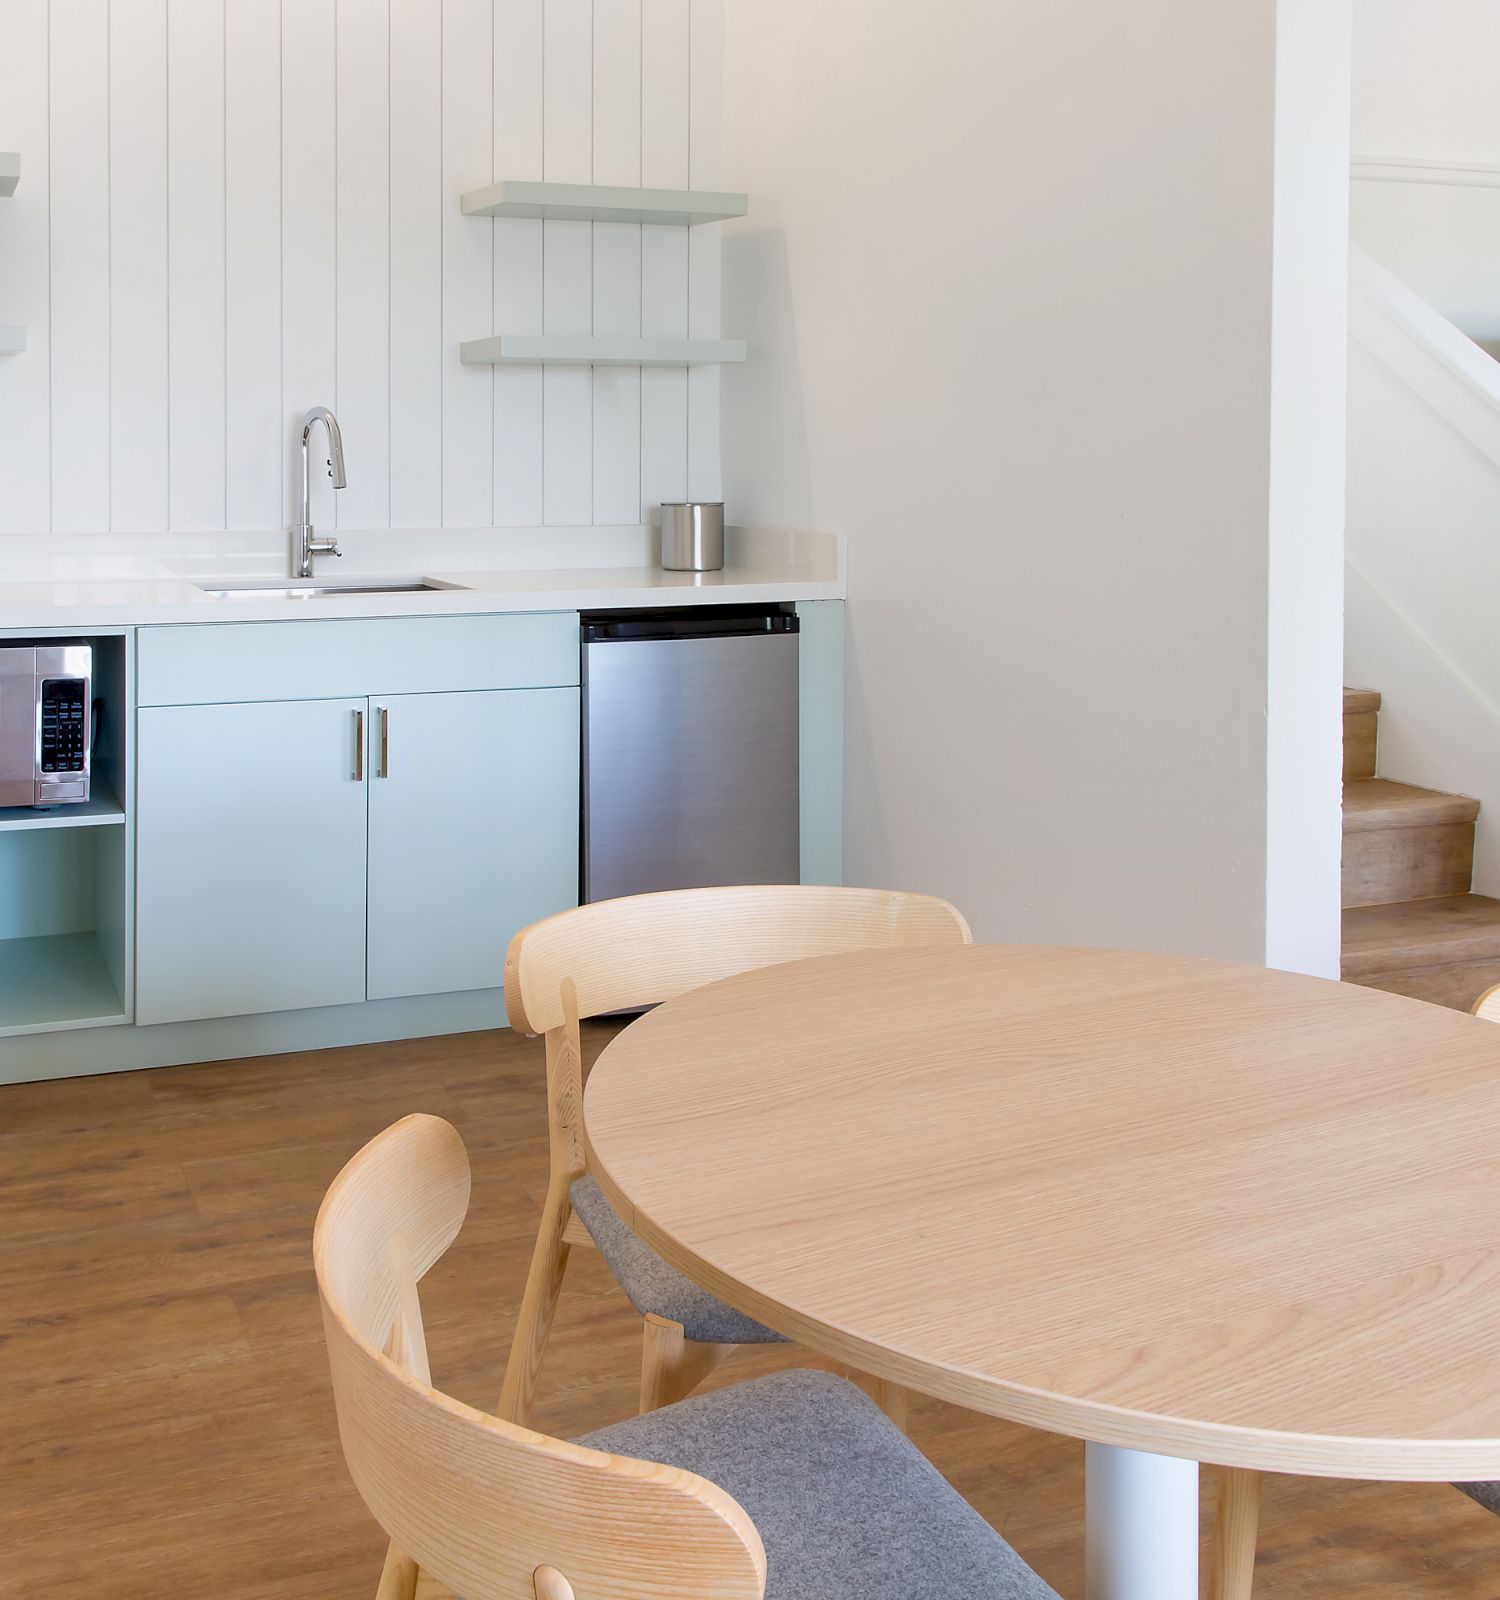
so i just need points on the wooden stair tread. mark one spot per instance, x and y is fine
(1360, 700)
(1454, 984)
(1373, 803)
(1448, 928)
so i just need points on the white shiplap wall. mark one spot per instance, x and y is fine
(231, 210)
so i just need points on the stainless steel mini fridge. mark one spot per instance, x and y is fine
(689, 749)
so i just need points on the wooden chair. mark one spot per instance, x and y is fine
(809, 1481)
(617, 955)
(1231, 1560)
(1487, 1007)
(1232, 1564)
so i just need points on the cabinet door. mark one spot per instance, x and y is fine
(473, 832)
(250, 858)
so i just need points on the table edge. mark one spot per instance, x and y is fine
(1217, 1444)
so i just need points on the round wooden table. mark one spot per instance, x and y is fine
(1183, 1210)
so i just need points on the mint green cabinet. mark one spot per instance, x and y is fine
(250, 859)
(335, 811)
(296, 853)
(473, 832)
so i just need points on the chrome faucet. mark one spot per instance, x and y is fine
(304, 546)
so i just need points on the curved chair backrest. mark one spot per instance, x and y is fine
(1488, 1004)
(492, 1510)
(647, 948)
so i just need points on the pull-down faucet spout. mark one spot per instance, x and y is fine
(304, 545)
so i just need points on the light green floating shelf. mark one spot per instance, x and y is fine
(592, 202)
(582, 351)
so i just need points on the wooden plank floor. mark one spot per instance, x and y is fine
(165, 1424)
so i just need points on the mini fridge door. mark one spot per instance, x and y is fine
(690, 756)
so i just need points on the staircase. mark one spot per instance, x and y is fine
(1410, 923)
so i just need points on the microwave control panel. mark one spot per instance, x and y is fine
(65, 724)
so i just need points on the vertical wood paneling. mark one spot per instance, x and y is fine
(309, 317)
(25, 403)
(195, 258)
(138, 265)
(364, 266)
(567, 263)
(254, 428)
(617, 260)
(705, 272)
(232, 210)
(80, 265)
(519, 26)
(416, 198)
(468, 264)
(664, 251)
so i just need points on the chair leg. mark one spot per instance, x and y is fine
(398, 1577)
(672, 1365)
(1231, 1571)
(549, 1260)
(892, 1399)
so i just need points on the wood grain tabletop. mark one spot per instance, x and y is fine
(1171, 1204)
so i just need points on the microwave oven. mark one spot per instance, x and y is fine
(46, 724)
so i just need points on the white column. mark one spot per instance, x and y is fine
(1142, 1526)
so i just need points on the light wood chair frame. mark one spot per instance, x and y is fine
(607, 952)
(491, 1510)
(617, 955)
(1237, 1514)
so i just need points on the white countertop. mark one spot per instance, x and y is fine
(101, 582)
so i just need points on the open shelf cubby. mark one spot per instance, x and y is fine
(100, 810)
(65, 934)
(56, 981)
(62, 928)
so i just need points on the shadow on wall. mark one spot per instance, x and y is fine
(767, 470)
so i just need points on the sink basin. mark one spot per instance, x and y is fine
(316, 588)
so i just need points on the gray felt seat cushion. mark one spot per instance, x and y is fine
(1487, 1494)
(652, 1285)
(847, 1507)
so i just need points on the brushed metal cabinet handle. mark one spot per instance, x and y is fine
(359, 747)
(385, 742)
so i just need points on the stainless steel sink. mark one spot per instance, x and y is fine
(316, 589)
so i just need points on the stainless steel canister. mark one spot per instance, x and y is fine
(692, 535)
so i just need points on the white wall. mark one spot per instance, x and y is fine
(1424, 560)
(1424, 92)
(1424, 79)
(1305, 565)
(1009, 283)
(230, 210)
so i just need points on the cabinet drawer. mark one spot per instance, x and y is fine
(207, 663)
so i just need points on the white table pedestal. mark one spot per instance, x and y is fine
(1142, 1515)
